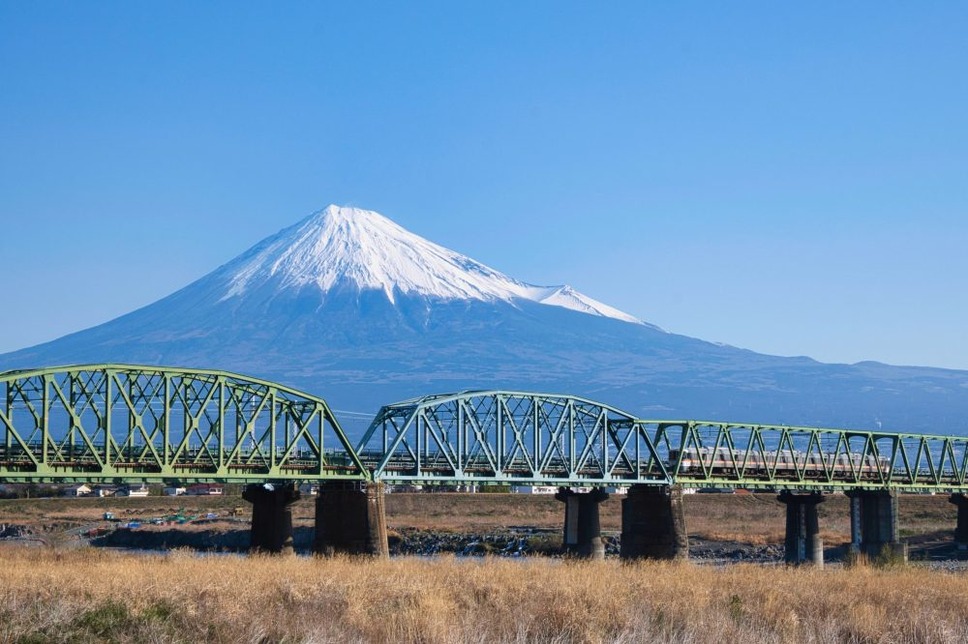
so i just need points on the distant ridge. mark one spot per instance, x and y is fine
(347, 305)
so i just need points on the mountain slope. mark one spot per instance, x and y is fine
(348, 305)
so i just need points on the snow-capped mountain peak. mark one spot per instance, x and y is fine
(344, 246)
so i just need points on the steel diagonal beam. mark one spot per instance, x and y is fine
(889, 473)
(785, 437)
(949, 449)
(770, 474)
(590, 442)
(401, 434)
(750, 459)
(301, 424)
(799, 458)
(693, 440)
(138, 419)
(565, 420)
(249, 431)
(652, 447)
(622, 447)
(906, 460)
(75, 422)
(724, 439)
(263, 451)
(371, 429)
(841, 449)
(937, 468)
(191, 418)
(852, 461)
(388, 454)
(213, 428)
(580, 431)
(481, 435)
(929, 459)
(664, 432)
(518, 443)
(519, 439)
(813, 444)
(12, 432)
(476, 446)
(721, 431)
(433, 423)
(875, 454)
(963, 469)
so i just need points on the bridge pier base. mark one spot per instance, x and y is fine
(961, 531)
(873, 523)
(351, 519)
(654, 524)
(271, 516)
(803, 542)
(583, 530)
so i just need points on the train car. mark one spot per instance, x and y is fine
(722, 462)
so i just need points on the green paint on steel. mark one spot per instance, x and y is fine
(116, 422)
(510, 437)
(732, 455)
(532, 438)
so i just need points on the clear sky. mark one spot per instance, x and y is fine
(786, 177)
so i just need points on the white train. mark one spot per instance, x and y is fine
(721, 461)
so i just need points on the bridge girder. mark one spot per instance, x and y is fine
(509, 437)
(118, 422)
(733, 455)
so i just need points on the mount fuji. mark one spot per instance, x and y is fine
(350, 306)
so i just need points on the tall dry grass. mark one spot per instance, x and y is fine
(95, 596)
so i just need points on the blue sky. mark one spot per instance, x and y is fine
(790, 178)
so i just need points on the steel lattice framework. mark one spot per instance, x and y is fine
(505, 436)
(714, 454)
(112, 422)
(137, 423)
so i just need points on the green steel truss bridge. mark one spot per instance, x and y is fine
(528, 438)
(113, 422)
(134, 423)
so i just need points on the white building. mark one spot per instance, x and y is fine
(133, 491)
(77, 490)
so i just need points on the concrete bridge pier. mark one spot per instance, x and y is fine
(803, 542)
(653, 523)
(271, 516)
(873, 523)
(961, 531)
(351, 519)
(583, 530)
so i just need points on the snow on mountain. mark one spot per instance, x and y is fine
(342, 246)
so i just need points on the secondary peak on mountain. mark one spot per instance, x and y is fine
(340, 247)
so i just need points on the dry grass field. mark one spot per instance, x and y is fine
(86, 595)
(61, 594)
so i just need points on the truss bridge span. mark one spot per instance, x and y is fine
(117, 423)
(545, 439)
